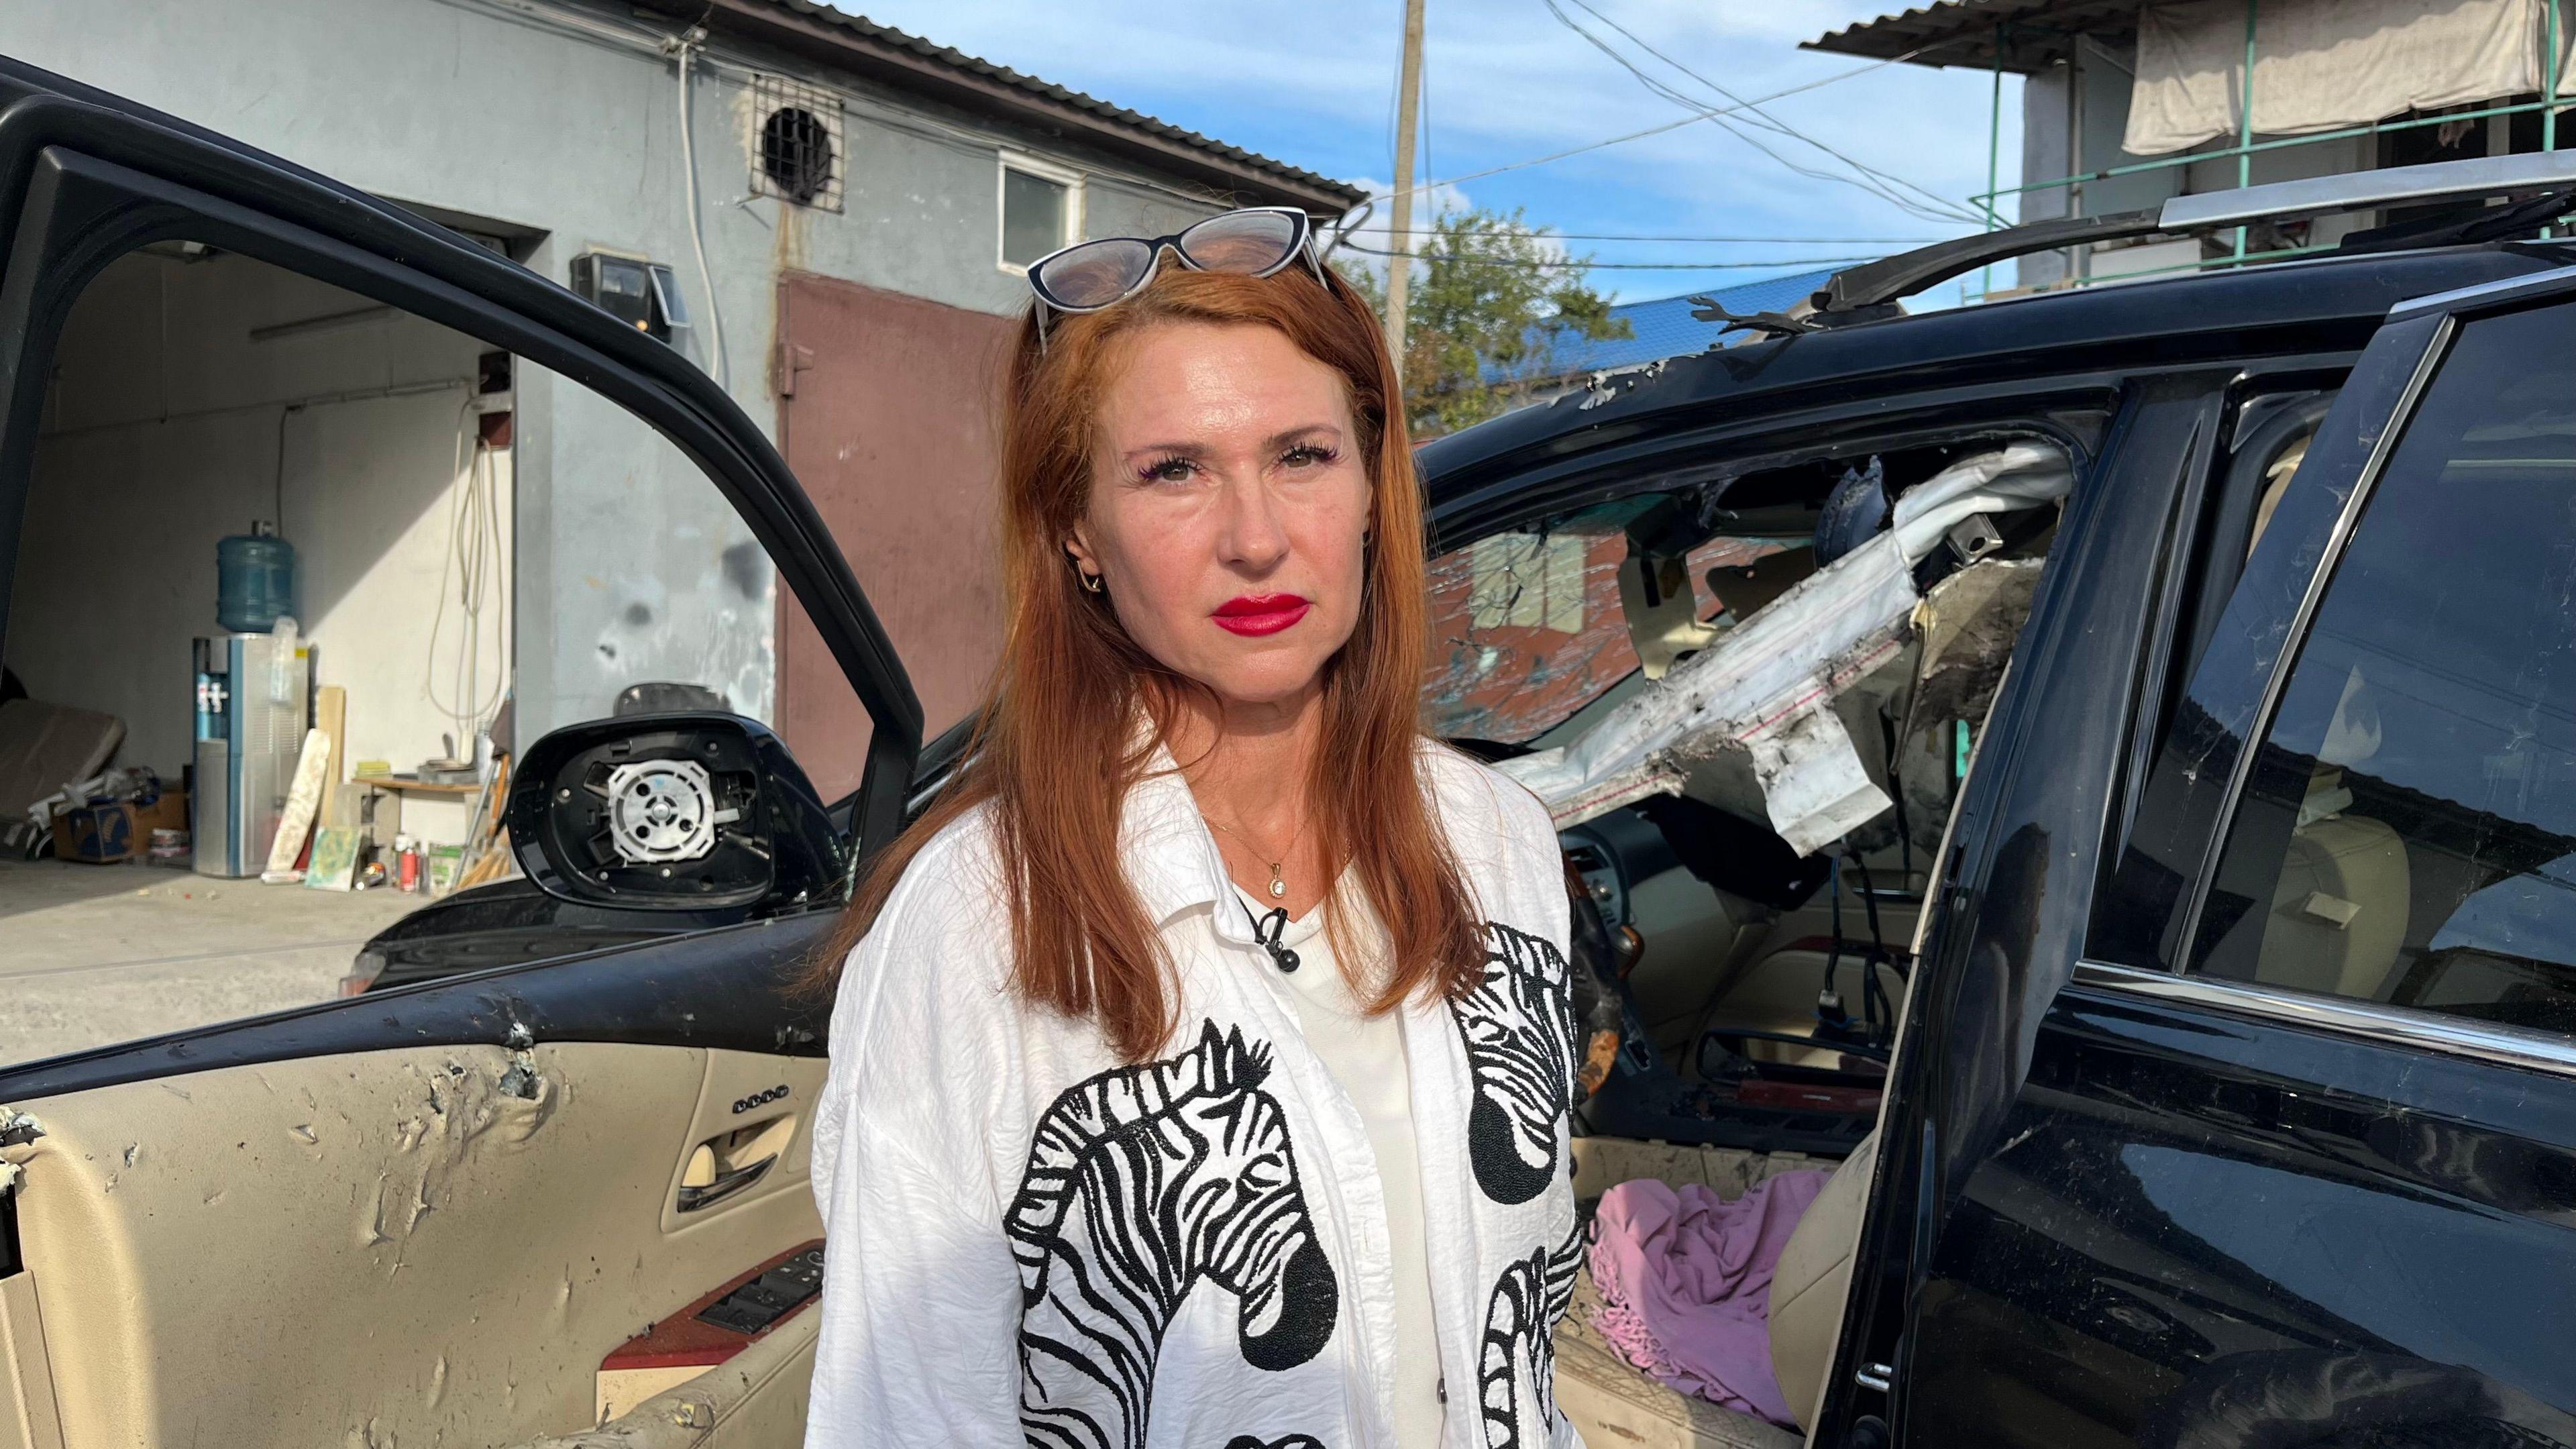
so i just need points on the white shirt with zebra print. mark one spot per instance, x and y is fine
(1030, 1242)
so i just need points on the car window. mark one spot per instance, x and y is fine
(263, 511)
(1528, 626)
(2407, 832)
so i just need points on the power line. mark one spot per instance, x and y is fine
(1570, 265)
(1831, 241)
(1772, 122)
(1864, 177)
(1665, 92)
(1704, 115)
(1873, 180)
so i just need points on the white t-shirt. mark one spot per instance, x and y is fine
(1366, 1056)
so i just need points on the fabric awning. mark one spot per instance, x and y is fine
(2323, 65)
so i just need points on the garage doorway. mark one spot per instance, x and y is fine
(198, 395)
(199, 401)
(885, 413)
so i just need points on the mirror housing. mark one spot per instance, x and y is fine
(673, 812)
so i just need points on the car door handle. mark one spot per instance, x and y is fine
(725, 1185)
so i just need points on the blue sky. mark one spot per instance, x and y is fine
(1505, 81)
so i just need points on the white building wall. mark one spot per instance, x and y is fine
(563, 120)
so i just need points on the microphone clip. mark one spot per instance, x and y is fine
(1266, 931)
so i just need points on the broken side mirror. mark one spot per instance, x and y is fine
(695, 811)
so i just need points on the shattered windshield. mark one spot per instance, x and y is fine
(1529, 626)
(1738, 671)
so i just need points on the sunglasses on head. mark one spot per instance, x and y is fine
(1090, 276)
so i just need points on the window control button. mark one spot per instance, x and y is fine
(764, 1300)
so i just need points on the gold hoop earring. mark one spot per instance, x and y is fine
(1092, 583)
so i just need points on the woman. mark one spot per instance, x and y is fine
(1199, 1076)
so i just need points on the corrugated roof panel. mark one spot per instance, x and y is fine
(2032, 34)
(1664, 327)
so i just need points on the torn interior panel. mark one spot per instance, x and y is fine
(1967, 624)
(1813, 782)
(17, 1128)
(1760, 691)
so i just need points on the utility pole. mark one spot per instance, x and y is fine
(1408, 106)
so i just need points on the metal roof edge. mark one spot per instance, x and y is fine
(2022, 36)
(909, 63)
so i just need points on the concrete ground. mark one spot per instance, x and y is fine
(94, 954)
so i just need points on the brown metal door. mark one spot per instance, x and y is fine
(886, 412)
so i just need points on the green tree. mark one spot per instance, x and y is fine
(1491, 301)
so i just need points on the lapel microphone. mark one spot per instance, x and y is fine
(1275, 924)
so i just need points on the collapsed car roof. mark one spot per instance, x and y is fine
(1856, 350)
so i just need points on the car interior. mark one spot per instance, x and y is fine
(1757, 991)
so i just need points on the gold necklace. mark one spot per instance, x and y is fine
(1278, 882)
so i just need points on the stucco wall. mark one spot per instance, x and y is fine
(563, 120)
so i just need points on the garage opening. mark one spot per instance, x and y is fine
(265, 515)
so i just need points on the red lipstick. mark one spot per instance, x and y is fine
(1258, 614)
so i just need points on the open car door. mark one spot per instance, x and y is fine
(433, 1214)
(2237, 1099)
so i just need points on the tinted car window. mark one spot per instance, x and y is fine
(2408, 830)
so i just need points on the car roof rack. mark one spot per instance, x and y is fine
(1871, 290)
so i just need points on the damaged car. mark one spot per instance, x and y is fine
(2096, 773)
(2092, 770)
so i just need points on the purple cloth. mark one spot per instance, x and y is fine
(1685, 1280)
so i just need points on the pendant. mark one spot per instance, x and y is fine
(1278, 887)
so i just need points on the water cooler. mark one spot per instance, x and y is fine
(252, 709)
(251, 720)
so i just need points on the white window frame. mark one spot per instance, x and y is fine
(1065, 176)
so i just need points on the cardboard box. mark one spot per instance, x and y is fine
(170, 812)
(99, 834)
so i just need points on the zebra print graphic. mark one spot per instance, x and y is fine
(1140, 1182)
(1518, 1024)
(1516, 1375)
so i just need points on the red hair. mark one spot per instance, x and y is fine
(1070, 685)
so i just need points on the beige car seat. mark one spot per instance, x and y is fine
(1814, 1277)
(2339, 912)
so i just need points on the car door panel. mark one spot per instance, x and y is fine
(29, 1418)
(2014, 873)
(755, 1400)
(2250, 1204)
(2113, 1252)
(417, 1242)
(426, 1214)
